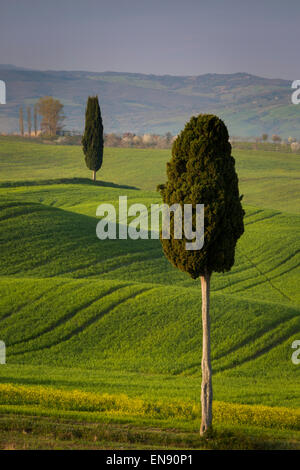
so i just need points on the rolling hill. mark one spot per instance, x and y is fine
(139, 103)
(77, 312)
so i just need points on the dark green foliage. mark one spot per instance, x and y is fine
(92, 140)
(202, 171)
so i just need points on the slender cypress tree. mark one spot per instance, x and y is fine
(21, 121)
(202, 171)
(92, 140)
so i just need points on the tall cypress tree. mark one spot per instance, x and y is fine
(21, 121)
(92, 140)
(202, 171)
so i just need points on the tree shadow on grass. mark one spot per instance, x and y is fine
(46, 182)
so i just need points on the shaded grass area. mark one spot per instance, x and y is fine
(62, 242)
(116, 317)
(19, 431)
(55, 181)
(79, 302)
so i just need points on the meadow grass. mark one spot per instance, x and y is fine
(32, 428)
(267, 179)
(233, 386)
(116, 318)
(122, 405)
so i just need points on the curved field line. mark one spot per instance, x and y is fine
(129, 264)
(259, 211)
(69, 316)
(244, 343)
(283, 262)
(285, 272)
(232, 284)
(266, 279)
(84, 325)
(264, 218)
(11, 216)
(11, 203)
(36, 299)
(255, 336)
(262, 281)
(86, 266)
(259, 353)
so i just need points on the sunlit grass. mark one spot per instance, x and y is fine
(114, 319)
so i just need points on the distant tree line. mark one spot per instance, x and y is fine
(266, 142)
(129, 139)
(48, 120)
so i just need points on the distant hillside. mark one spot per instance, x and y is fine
(141, 103)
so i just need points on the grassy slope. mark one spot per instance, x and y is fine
(69, 299)
(267, 179)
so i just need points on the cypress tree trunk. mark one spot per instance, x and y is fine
(94, 175)
(21, 122)
(206, 387)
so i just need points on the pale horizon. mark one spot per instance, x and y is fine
(239, 72)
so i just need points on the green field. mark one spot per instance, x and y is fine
(115, 317)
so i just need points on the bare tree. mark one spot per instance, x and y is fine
(51, 111)
(276, 138)
(35, 119)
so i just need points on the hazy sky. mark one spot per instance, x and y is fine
(186, 37)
